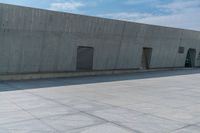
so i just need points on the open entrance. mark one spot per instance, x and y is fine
(190, 58)
(84, 58)
(146, 58)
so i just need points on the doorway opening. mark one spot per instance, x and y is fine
(190, 58)
(146, 58)
(84, 58)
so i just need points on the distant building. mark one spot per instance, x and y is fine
(41, 41)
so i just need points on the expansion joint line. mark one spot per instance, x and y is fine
(120, 45)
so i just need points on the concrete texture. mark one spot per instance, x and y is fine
(152, 102)
(39, 41)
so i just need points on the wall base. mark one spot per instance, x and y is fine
(78, 74)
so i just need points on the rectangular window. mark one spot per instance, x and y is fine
(198, 56)
(146, 58)
(181, 50)
(85, 58)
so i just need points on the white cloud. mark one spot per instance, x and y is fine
(134, 2)
(69, 6)
(187, 20)
(179, 14)
(183, 14)
(126, 15)
(180, 5)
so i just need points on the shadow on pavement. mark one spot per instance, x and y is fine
(44, 83)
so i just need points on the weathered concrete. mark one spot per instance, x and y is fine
(35, 40)
(29, 76)
(152, 102)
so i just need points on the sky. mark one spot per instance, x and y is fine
(172, 13)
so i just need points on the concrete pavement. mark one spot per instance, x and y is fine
(154, 102)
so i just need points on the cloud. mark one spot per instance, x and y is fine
(182, 14)
(187, 20)
(135, 2)
(178, 13)
(69, 6)
(180, 5)
(126, 16)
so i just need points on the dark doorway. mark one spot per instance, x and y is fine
(146, 58)
(190, 58)
(84, 58)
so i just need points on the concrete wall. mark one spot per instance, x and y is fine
(34, 40)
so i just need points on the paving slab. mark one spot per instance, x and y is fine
(63, 123)
(152, 102)
(29, 126)
(103, 128)
(16, 116)
(189, 129)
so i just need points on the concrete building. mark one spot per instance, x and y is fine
(41, 41)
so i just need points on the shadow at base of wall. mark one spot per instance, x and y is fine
(57, 82)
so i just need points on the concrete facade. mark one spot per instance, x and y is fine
(35, 40)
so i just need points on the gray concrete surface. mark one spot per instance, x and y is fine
(152, 102)
(35, 40)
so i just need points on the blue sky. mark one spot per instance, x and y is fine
(173, 13)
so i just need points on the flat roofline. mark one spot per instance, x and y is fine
(125, 21)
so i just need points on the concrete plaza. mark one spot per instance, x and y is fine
(152, 102)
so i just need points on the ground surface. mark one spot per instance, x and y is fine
(154, 102)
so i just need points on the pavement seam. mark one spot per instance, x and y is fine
(34, 116)
(86, 113)
(183, 128)
(143, 113)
